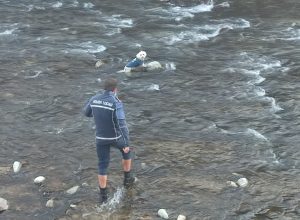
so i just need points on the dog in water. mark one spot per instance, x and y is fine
(137, 64)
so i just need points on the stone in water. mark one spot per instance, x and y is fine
(3, 204)
(17, 166)
(72, 190)
(39, 179)
(50, 203)
(163, 213)
(243, 182)
(181, 217)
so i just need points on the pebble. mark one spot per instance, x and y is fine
(3, 204)
(39, 179)
(50, 203)
(181, 217)
(163, 213)
(72, 190)
(242, 182)
(17, 166)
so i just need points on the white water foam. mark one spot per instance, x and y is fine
(118, 21)
(188, 12)
(153, 87)
(88, 5)
(256, 134)
(180, 12)
(223, 4)
(114, 202)
(57, 5)
(170, 66)
(37, 73)
(8, 32)
(259, 91)
(206, 32)
(31, 7)
(87, 47)
(274, 106)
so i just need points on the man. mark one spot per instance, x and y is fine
(111, 131)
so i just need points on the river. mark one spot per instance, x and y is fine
(224, 106)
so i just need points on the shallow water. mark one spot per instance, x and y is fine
(225, 106)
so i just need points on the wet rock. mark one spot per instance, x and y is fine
(72, 190)
(39, 179)
(50, 203)
(181, 217)
(3, 204)
(163, 214)
(244, 208)
(231, 183)
(17, 166)
(99, 63)
(153, 65)
(242, 182)
(73, 206)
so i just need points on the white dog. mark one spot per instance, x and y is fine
(137, 64)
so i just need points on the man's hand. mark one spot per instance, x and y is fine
(126, 150)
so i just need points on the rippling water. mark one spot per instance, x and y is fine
(225, 106)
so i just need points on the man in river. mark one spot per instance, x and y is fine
(111, 131)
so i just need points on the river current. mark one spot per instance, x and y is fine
(224, 106)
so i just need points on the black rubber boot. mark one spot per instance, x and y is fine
(128, 179)
(103, 195)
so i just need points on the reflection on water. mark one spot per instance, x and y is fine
(224, 106)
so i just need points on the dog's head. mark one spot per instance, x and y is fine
(141, 55)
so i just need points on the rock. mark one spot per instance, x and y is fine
(244, 208)
(181, 217)
(163, 214)
(72, 190)
(231, 183)
(3, 204)
(242, 182)
(50, 203)
(17, 166)
(39, 179)
(73, 206)
(99, 63)
(153, 65)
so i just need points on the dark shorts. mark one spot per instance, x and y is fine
(103, 152)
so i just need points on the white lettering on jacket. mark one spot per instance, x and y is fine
(102, 103)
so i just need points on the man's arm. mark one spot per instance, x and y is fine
(122, 123)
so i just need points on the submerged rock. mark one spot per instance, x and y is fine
(39, 179)
(17, 166)
(72, 190)
(163, 213)
(242, 182)
(3, 204)
(181, 217)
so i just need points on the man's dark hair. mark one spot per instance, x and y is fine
(110, 84)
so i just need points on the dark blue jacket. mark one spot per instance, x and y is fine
(108, 113)
(135, 63)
